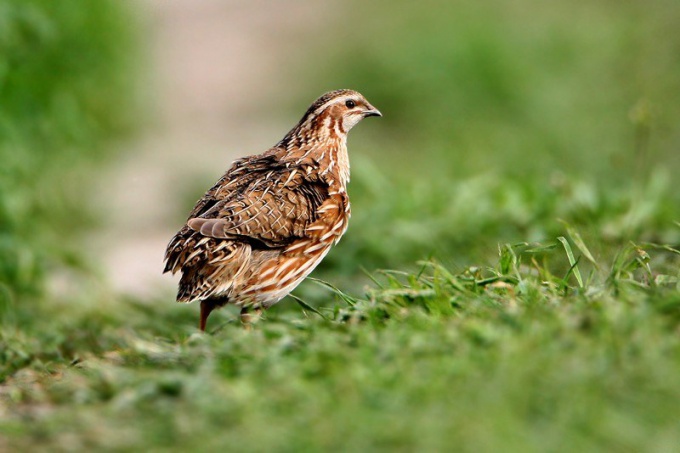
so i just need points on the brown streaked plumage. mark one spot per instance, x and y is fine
(267, 223)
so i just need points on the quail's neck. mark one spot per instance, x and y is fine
(333, 164)
(326, 155)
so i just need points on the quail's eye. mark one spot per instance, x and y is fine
(350, 104)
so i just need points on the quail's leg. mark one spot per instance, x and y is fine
(206, 308)
(250, 316)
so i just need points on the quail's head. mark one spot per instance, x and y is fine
(340, 110)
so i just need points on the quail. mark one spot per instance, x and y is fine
(272, 217)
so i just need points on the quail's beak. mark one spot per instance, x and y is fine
(371, 111)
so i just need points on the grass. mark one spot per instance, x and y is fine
(516, 357)
(567, 340)
(519, 197)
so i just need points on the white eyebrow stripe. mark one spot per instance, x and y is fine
(342, 99)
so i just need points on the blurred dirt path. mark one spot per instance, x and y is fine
(214, 69)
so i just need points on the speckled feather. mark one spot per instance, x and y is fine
(272, 217)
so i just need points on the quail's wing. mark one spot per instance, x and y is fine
(242, 173)
(186, 246)
(273, 211)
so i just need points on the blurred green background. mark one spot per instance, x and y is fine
(550, 110)
(504, 122)
(66, 88)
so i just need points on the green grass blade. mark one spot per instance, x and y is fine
(306, 306)
(665, 247)
(375, 281)
(580, 244)
(351, 301)
(572, 260)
